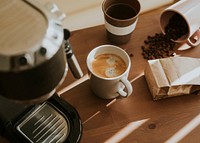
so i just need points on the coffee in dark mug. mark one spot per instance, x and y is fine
(120, 19)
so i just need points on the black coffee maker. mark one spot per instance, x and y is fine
(34, 58)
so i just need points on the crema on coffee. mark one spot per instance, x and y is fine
(108, 65)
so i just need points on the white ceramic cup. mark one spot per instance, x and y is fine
(189, 10)
(109, 88)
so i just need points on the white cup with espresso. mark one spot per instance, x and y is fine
(108, 68)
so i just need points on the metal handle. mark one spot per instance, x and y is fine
(71, 59)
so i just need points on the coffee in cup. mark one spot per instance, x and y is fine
(121, 11)
(108, 65)
(121, 17)
(108, 69)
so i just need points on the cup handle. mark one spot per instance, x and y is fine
(128, 86)
(194, 40)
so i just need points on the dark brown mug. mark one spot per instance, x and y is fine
(121, 17)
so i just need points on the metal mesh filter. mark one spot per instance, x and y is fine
(45, 125)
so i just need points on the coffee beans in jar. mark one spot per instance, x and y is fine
(176, 28)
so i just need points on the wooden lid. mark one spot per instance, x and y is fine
(30, 34)
(22, 27)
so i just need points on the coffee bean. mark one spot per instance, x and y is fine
(177, 27)
(158, 46)
(131, 55)
(162, 46)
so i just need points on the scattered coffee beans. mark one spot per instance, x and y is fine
(163, 46)
(158, 46)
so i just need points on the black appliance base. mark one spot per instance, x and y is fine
(55, 120)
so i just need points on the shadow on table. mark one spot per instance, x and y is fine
(137, 118)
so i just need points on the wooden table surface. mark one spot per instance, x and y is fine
(136, 119)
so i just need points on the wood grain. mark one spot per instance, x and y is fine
(136, 119)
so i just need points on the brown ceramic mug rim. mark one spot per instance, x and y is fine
(137, 10)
